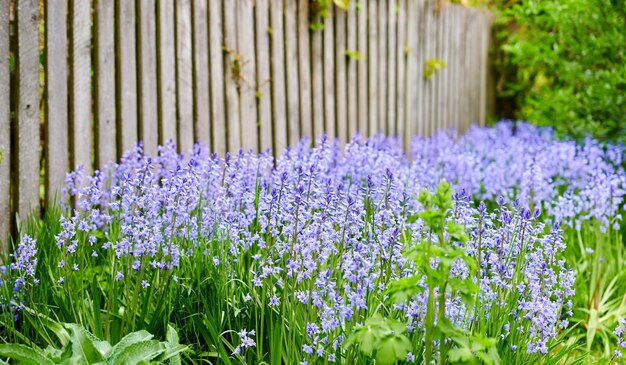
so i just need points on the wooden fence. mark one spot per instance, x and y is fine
(83, 80)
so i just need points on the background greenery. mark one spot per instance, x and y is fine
(563, 63)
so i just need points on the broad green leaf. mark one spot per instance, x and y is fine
(127, 341)
(392, 349)
(83, 344)
(461, 355)
(138, 352)
(24, 354)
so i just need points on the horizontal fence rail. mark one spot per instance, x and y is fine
(81, 81)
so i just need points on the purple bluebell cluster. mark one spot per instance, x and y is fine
(318, 229)
(19, 275)
(572, 181)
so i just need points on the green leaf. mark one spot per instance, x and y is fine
(83, 344)
(402, 290)
(343, 4)
(139, 352)
(127, 341)
(392, 349)
(461, 355)
(24, 354)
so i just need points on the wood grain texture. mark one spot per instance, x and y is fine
(329, 77)
(341, 97)
(166, 72)
(362, 67)
(401, 81)
(382, 66)
(420, 84)
(279, 98)
(351, 68)
(304, 70)
(216, 74)
(127, 72)
(292, 80)
(232, 63)
(5, 129)
(317, 83)
(105, 118)
(263, 75)
(56, 146)
(390, 54)
(201, 100)
(27, 68)
(184, 74)
(412, 48)
(147, 71)
(372, 67)
(247, 86)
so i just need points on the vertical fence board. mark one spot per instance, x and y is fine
(329, 76)
(201, 100)
(438, 76)
(426, 83)
(167, 72)
(372, 67)
(279, 116)
(233, 77)
(362, 65)
(106, 149)
(400, 57)
(27, 67)
(291, 50)
(80, 98)
(5, 129)
(420, 43)
(56, 99)
(341, 96)
(443, 77)
(218, 121)
(184, 82)
(351, 68)
(264, 102)
(247, 97)
(390, 53)
(304, 69)
(411, 55)
(127, 66)
(147, 90)
(317, 83)
(483, 65)
(382, 67)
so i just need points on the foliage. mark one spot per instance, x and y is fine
(82, 347)
(293, 260)
(562, 64)
(431, 66)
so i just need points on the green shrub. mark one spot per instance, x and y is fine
(563, 64)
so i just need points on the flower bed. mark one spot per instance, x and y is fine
(333, 254)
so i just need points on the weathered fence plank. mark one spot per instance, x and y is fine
(400, 101)
(263, 75)
(127, 66)
(247, 89)
(147, 70)
(201, 101)
(5, 128)
(390, 54)
(167, 72)
(362, 65)
(291, 54)
(341, 97)
(27, 67)
(184, 73)
(80, 99)
(317, 83)
(411, 82)
(106, 149)
(351, 67)
(382, 66)
(329, 76)
(233, 77)
(56, 148)
(372, 67)
(279, 101)
(304, 70)
(218, 121)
